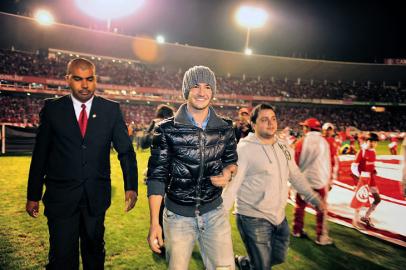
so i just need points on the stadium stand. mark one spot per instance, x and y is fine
(366, 96)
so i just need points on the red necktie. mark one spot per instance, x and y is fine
(83, 120)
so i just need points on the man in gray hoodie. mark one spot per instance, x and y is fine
(260, 189)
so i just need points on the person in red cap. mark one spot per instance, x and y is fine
(312, 154)
(242, 127)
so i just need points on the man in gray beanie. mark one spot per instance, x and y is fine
(194, 76)
(193, 156)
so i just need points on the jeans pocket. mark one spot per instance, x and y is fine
(169, 214)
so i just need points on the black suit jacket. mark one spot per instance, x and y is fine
(69, 165)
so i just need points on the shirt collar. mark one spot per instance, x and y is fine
(192, 120)
(78, 103)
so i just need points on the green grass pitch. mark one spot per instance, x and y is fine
(24, 240)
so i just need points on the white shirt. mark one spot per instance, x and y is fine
(315, 161)
(77, 105)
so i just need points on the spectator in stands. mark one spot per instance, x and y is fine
(261, 191)
(312, 154)
(193, 156)
(72, 158)
(242, 127)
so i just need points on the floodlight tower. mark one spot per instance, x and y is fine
(250, 17)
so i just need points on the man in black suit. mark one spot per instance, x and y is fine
(72, 158)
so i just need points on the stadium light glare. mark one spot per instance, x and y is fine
(108, 10)
(160, 39)
(44, 17)
(251, 17)
(248, 51)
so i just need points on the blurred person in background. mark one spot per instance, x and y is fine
(242, 127)
(312, 154)
(162, 112)
(404, 166)
(393, 145)
(328, 133)
(363, 168)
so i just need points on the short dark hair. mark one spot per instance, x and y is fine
(258, 108)
(373, 137)
(80, 62)
(164, 111)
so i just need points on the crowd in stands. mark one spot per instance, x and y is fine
(20, 110)
(25, 109)
(131, 73)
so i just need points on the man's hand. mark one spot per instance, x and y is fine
(154, 239)
(223, 179)
(32, 208)
(130, 199)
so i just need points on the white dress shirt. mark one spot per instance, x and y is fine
(77, 105)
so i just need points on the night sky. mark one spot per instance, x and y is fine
(361, 31)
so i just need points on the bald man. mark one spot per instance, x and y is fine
(72, 159)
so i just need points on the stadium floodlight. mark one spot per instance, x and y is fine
(44, 17)
(107, 9)
(251, 17)
(248, 51)
(160, 39)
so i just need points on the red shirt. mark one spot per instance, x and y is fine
(366, 160)
(394, 139)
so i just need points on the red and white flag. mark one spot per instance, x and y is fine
(361, 196)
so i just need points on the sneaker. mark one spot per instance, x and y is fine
(367, 221)
(242, 262)
(358, 225)
(324, 241)
(301, 234)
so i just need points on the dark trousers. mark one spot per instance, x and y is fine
(266, 243)
(64, 235)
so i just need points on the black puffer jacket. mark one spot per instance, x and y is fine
(183, 157)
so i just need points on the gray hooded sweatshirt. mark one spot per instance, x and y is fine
(260, 187)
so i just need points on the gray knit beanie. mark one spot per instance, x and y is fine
(195, 75)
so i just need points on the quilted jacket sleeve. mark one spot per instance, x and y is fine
(158, 164)
(230, 153)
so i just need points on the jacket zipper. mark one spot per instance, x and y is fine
(199, 179)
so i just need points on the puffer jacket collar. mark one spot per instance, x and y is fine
(214, 121)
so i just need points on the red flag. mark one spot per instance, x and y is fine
(361, 196)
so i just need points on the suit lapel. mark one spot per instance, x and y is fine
(71, 116)
(91, 121)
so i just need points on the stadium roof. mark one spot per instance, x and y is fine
(77, 39)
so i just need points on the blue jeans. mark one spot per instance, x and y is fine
(212, 230)
(266, 244)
